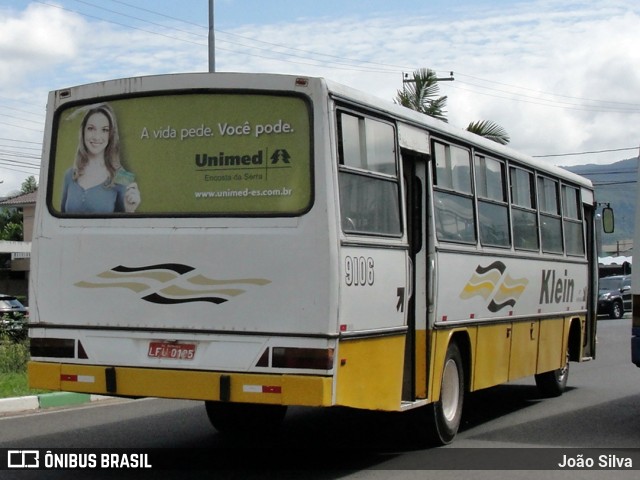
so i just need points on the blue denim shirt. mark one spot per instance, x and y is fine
(103, 198)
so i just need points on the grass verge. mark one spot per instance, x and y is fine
(13, 369)
(16, 385)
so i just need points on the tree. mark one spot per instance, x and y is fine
(490, 130)
(421, 94)
(10, 224)
(29, 185)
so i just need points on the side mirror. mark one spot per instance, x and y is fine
(608, 223)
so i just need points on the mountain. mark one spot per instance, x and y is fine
(615, 184)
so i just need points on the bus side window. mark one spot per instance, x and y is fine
(455, 218)
(368, 176)
(523, 213)
(572, 219)
(493, 211)
(550, 221)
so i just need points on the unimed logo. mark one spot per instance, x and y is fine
(23, 459)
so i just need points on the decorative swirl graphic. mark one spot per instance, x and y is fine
(497, 265)
(168, 275)
(488, 283)
(482, 285)
(179, 268)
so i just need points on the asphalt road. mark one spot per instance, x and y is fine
(601, 409)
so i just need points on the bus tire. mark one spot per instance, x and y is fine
(447, 411)
(243, 418)
(553, 383)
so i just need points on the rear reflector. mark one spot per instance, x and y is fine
(77, 378)
(262, 389)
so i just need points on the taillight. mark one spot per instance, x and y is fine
(298, 358)
(56, 348)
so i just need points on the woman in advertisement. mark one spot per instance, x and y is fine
(97, 183)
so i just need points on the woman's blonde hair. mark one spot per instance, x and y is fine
(112, 151)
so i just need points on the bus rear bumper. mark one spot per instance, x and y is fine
(299, 390)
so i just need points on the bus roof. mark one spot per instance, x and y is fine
(228, 80)
(444, 128)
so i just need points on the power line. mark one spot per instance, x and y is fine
(541, 101)
(21, 141)
(136, 18)
(236, 52)
(7, 107)
(351, 64)
(22, 119)
(21, 126)
(635, 105)
(585, 153)
(609, 172)
(622, 182)
(8, 153)
(118, 23)
(345, 63)
(389, 67)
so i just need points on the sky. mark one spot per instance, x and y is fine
(560, 76)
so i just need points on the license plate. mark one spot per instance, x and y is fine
(174, 351)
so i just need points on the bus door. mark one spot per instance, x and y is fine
(414, 176)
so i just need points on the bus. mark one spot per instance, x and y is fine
(259, 241)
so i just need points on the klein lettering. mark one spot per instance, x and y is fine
(556, 289)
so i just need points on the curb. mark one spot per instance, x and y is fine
(46, 400)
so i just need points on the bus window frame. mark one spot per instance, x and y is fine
(529, 210)
(359, 172)
(480, 169)
(60, 109)
(569, 220)
(449, 191)
(547, 212)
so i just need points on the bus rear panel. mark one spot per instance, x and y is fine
(222, 283)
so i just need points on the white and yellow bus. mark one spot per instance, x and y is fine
(260, 241)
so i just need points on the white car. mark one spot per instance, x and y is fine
(13, 317)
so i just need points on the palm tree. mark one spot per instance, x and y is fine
(490, 130)
(420, 92)
(422, 96)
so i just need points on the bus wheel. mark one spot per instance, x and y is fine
(447, 412)
(244, 418)
(553, 383)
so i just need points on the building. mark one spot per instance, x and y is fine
(14, 275)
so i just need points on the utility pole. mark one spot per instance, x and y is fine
(212, 40)
(406, 79)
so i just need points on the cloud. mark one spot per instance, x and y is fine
(35, 40)
(559, 76)
(578, 52)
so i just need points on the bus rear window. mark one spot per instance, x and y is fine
(189, 154)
